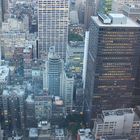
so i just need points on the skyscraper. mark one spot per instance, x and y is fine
(89, 11)
(113, 62)
(54, 73)
(53, 26)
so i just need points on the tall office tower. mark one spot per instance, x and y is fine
(54, 73)
(112, 63)
(105, 6)
(53, 17)
(13, 108)
(89, 11)
(117, 5)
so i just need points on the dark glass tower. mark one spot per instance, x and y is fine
(113, 62)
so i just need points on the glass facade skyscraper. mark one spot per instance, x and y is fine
(113, 63)
(53, 26)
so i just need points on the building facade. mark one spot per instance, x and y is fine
(90, 10)
(119, 122)
(53, 17)
(13, 98)
(132, 11)
(113, 62)
(117, 5)
(53, 73)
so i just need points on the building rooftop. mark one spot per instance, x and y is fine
(27, 49)
(30, 99)
(115, 138)
(4, 72)
(118, 112)
(76, 44)
(85, 134)
(33, 132)
(18, 90)
(129, 22)
(59, 132)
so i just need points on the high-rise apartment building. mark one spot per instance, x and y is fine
(113, 62)
(53, 17)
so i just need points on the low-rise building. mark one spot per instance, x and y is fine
(132, 11)
(117, 122)
(43, 107)
(84, 134)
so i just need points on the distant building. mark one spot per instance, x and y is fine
(117, 122)
(27, 60)
(68, 89)
(117, 5)
(105, 6)
(53, 73)
(44, 130)
(4, 76)
(53, 18)
(43, 107)
(75, 56)
(12, 36)
(132, 11)
(89, 11)
(74, 17)
(30, 112)
(85, 134)
(58, 111)
(111, 72)
(33, 134)
(5, 8)
(13, 98)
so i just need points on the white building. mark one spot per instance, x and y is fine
(116, 123)
(53, 18)
(117, 5)
(132, 11)
(84, 134)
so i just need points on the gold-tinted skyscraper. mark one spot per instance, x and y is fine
(52, 26)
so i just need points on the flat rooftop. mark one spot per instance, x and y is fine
(4, 71)
(118, 112)
(85, 134)
(18, 90)
(129, 23)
